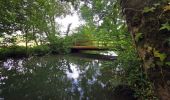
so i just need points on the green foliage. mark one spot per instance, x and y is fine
(148, 9)
(86, 13)
(13, 51)
(165, 26)
(104, 23)
(156, 4)
(59, 45)
(138, 36)
(161, 56)
(113, 28)
(81, 39)
(34, 18)
(167, 63)
(23, 14)
(21, 51)
(39, 50)
(133, 73)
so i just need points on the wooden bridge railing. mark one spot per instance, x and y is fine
(94, 43)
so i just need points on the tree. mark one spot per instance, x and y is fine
(31, 16)
(104, 18)
(149, 25)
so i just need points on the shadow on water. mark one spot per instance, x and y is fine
(95, 56)
(61, 78)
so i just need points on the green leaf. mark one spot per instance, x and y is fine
(165, 26)
(138, 36)
(147, 9)
(162, 56)
(167, 63)
(156, 4)
(149, 48)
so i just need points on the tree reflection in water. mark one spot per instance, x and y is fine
(56, 78)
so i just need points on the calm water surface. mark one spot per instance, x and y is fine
(57, 78)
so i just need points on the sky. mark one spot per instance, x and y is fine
(73, 18)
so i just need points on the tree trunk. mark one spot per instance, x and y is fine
(149, 24)
(68, 29)
(25, 31)
(34, 35)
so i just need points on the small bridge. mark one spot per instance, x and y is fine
(91, 45)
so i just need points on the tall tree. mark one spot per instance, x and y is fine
(149, 24)
(104, 18)
(31, 16)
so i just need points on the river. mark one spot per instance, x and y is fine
(58, 77)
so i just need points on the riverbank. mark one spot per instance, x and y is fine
(22, 51)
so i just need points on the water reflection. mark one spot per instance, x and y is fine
(56, 78)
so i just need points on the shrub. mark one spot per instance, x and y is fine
(12, 51)
(60, 45)
(39, 50)
(80, 39)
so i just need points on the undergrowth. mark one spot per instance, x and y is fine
(134, 75)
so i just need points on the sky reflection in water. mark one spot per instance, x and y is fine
(55, 77)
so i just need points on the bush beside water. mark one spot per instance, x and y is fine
(21, 51)
(39, 50)
(13, 51)
(55, 46)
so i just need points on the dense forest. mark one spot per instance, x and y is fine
(137, 31)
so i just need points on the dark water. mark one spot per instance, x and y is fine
(58, 78)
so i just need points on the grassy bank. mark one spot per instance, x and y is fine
(22, 51)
